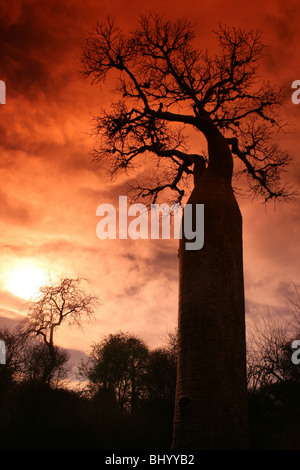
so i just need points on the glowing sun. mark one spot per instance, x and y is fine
(26, 281)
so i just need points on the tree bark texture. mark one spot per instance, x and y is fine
(211, 394)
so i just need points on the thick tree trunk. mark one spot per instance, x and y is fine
(211, 394)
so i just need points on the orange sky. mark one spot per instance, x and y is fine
(50, 188)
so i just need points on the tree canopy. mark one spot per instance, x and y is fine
(62, 302)
(123, 366)
(167, 88)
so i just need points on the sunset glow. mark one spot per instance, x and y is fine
(51, 186)
(26, 281)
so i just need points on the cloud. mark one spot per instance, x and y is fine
(14, 211)
(50, 188)
(6, 322)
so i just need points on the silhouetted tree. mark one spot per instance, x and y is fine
(274, 377)
(27, 358)
(271, 360)
(270, 348)
(168, 91)
(14, 345)
(64, 302)
(118, 365)
(160, 376)
(37, 360)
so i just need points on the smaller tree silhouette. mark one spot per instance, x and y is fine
(161, 375)
(270, 358)
(274, 377)
(27, 358)
(37, 359)
(63, 302)
(118, 366)
(14, 345)
(270, 348)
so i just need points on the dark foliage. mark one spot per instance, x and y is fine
(275, 417)
(34, 416)
(37, 416)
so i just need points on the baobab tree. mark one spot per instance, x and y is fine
(171, 97)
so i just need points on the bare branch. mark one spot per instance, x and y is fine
(57, 302)
(166, 86)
